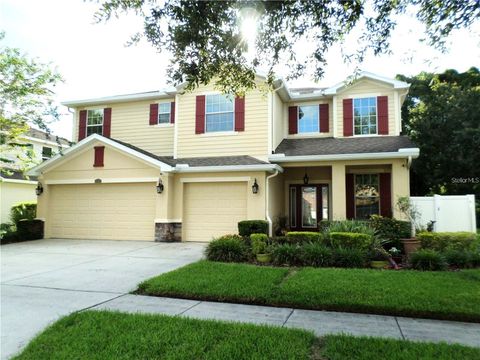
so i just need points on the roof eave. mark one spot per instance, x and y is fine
(120, 98)
(228, 168)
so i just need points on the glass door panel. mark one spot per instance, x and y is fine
(309, 206)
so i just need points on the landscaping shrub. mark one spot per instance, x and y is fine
(23, 211)
(475, 259)
(442, 241)
(30, 230)
(301, 237)
(287, 254)
(349, 258)
(426, 259)
(350, 226)
(249, 227)
(259, 243)
(279, 240)
(8, 233)
(350, 240)
(390, 229)
(228, 248)
(458, 258)
(316, 254)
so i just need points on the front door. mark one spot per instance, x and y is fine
(308, 206)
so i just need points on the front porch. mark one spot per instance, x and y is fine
(307, 193)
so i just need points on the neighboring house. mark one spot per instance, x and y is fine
(169, 165)
(15, 187)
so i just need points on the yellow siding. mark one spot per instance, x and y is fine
(130, 123)
(13, 193)
(253, 141)
(368, 88)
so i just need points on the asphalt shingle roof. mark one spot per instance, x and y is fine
(351, 145)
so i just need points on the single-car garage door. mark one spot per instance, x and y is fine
(102, 211)
(213, 209)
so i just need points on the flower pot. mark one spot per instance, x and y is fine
(410, 245)
(264, 258)
(378, 264)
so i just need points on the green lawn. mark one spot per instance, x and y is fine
(113, 335)
(437, 295)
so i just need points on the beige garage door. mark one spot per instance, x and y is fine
(213, 209)
(102, 211)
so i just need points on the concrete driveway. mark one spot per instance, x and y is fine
(44, 280)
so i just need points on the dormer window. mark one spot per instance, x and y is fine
(95, 122)
(365, 116)
(164, 113)
(219, 113)
(308, 119)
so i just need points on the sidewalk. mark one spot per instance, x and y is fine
(320, 322)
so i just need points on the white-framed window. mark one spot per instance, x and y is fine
(308, 119)
(365, 116)
(164, 113)
(46, 153)
(219, 113)
(367, 195)
(95, 122)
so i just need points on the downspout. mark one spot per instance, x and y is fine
(269, 219)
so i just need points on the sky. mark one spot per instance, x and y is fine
(95, 61)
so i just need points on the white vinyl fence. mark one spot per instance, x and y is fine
(450, 212)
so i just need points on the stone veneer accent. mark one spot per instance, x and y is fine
(168, 232)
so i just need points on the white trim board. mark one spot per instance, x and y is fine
(216, 179)
(18, 181)
(163, 221)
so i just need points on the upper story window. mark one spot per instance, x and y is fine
(365, 116)
(308, 119)
(95, 122)
(219, 113)
(367, 195)
(46, 153)
(164, 113)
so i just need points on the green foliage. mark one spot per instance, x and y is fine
(228, 248)
(390, 229)
(350, 240)
(317, 255)
(249, 227)
(349, 258)
(300, 237)
(350, 226)
(287, 254)
(207, 43)
(23, 211)
(8, 233)
(30, 230)
(259, 243)
(458, 258)
(444, 109)
(26, 93)
(426, 259)
(442, 241)
(279, 240)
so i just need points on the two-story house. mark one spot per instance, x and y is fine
(15, 187)
(173, 165)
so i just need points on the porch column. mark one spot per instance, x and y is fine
(338, 192)
(167, 229)
(400, 184)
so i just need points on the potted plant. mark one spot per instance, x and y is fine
(409, 210)
(395, 254)
(260, 248)
(378, 261)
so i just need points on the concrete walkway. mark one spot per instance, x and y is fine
(320, 322)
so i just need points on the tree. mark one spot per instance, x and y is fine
(442, 116)
(206, 42)
(26, 98)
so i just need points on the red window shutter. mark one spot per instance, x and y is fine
(347, 117)
(99, 154)
(153, 114)
(350, 195)
(292, 119)
(107, 121)
(172, 113)
(82, 125)
(324, 118)
(240, 113)
(382, 112)
(385, 195)
(200, 115)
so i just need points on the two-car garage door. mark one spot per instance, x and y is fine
(213, 209)
(102, 211)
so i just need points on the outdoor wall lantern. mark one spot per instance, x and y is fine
(255, 187)
(159, 186)
(39, 189)
(305, 178)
